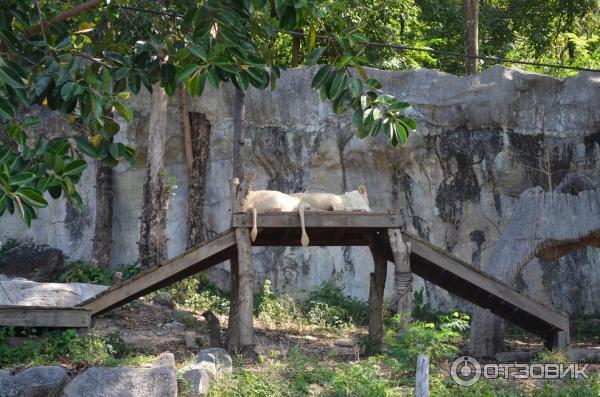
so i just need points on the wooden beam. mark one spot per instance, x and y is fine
(377, 220)
(44, 316)
(215, 251)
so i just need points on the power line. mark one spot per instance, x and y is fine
(400, 47)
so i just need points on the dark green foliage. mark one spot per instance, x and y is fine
(85, 67)
(7, 245)
(423, 311)
(328, 305)
(80, 271)
(54, 347)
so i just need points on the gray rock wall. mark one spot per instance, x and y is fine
(481, 141)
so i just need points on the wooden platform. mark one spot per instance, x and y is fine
(44, 316)
(349, 229)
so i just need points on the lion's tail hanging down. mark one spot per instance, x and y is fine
(254, 231)
(304, 240)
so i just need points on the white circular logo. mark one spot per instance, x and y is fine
(465, 371)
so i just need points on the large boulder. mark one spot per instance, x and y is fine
(157, 381)
(209, 364)
(18, 291)
(34, 382)
(34, 262)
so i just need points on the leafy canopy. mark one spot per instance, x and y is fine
(84, 65)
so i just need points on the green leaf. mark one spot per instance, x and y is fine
(401, 132)
(196, 86)
(356, 86)
(75, 167)
(32, 197)
(373, 83)
(321, 76)
(6, 109)
(357, 118)
(198, 52)
(86, 147)
(409, 122)
(213, 78)
(120, 73)
(125, 111)
(22, 179)
(385, 98)
(67, 90)
(338, 85)
(398, 106)
(114, 150)
(186, 72)
(314, 56)
(10, 77)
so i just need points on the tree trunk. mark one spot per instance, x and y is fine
(102, 243)
(296, 50)
(200, 140)
(471, 22)
(153, 225)
(376, 288)
(239, 114)
(402, 274)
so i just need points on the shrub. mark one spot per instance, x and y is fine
(197, 293)
(438, 341)
(277, 309)
(329, 306)
(80, 271)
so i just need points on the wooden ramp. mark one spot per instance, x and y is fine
(215, 251)
(427, 261)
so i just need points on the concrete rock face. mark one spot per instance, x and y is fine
(481, 141)
(34, 262)
(158, 381)
(18, 291)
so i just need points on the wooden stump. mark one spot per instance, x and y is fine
(422, 376)
(241, 329)
(402, 273)
(376, 289)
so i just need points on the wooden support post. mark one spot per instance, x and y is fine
(422, 376)
(241, 329)
(376, 288)
(559, 340)
(402, 273)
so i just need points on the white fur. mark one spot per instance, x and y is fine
(356, 200)
(268, 201)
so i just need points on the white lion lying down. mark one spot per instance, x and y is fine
(274, 201)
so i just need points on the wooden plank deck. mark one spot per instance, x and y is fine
(213, 252)
(44, 316)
